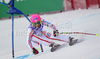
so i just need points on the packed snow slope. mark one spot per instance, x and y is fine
(78, 20)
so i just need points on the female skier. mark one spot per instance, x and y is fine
(37, 35)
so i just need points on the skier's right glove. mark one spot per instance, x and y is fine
(35, 51)
(55, 33)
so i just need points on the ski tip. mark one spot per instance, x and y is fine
(96, 34)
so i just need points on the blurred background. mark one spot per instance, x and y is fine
(29, 7)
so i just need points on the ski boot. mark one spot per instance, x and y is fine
(72, 41)
(54, 46)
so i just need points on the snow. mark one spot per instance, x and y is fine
(77, 20)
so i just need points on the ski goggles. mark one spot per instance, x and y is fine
(36, 23)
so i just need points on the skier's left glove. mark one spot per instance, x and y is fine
(35, 51)
(55, 33)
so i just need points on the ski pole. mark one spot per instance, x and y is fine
(77, 33)
(13, 36)
(41, 47)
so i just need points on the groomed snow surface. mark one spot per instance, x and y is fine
(87, 21)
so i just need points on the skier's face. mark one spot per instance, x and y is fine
(37, 24)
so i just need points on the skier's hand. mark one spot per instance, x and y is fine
(55, 33)
(35, 51)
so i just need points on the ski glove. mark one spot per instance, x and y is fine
(35, 51)
(55, 33)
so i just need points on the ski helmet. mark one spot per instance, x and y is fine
(35, 18)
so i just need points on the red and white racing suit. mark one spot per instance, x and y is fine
(41, 36)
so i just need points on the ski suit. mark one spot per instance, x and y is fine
(41, 36)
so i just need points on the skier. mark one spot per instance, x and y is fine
(37, 35)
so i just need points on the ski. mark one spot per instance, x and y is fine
(54, 48)
(59, 47)
(78, 33)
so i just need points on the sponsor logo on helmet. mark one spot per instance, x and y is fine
(35, 18)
